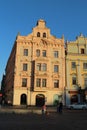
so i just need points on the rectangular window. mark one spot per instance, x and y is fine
(44, 81)
(37, 52)
(73, 64)
(56, 68)
(24, 67)
(84, 65)
(74, 80)
(25, 52)
(44, 67)
(38, 66)
(38, 82)
(56, 83)
(82, 51)
(24, 82)
(55, 54)
(44, 53)
(85, 82)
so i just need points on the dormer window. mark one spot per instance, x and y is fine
(44, 34)
(38, 34)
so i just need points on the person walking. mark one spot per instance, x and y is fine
(44, 109)
(60, 107)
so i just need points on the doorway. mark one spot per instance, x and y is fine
(23, 99)
(40, 100)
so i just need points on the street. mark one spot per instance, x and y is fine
(68, 120)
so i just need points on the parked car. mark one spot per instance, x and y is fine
(77, 106)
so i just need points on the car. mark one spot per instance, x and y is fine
(77, 106)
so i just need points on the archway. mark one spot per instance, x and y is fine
(40, 100)
(23, 100)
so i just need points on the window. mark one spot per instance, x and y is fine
(24, 82)
(44, 82)
(73, 64)
(25, 52)
(85, 82)
(82, 51)
(38, 66)
(44, 53)
(38, 53)
(24, 67)
(44, 34)
(38, 34)
(55, 54)
(44, 67)
(41, 67)
(56, 68)
(38, 82)
(74, 80)
(56, 83)
(84, 65)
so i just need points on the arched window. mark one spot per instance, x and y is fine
(44, 34)
(38, 34)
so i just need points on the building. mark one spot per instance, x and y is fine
(35, 71)
(76, 70)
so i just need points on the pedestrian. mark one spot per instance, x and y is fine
(44, 109)
(60, 107)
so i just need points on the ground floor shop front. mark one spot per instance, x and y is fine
(36, 98)
(74, 96)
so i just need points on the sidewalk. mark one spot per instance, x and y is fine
(24, 109)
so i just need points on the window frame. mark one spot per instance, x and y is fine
(25, 66)
(56, 68)
(38, 34)
(39, 66)
(74, 80)
(56, 54)
(82, 51)
(38, 53)
(24, 82)
(84, 66)
(38, 82)
(44, 35)
(44, 67)
(44, 82)
(56, 83)
(44, 53)
(73, 65)
(85, 82)
(25, 52)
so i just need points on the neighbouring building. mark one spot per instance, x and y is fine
(35, 71)
(76, 70)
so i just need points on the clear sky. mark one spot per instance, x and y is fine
(68, 17)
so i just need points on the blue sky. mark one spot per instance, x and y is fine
(68, 17)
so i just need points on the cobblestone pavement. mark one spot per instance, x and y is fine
(68, 120)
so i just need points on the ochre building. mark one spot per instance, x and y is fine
(76, 70)
(35, 71)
